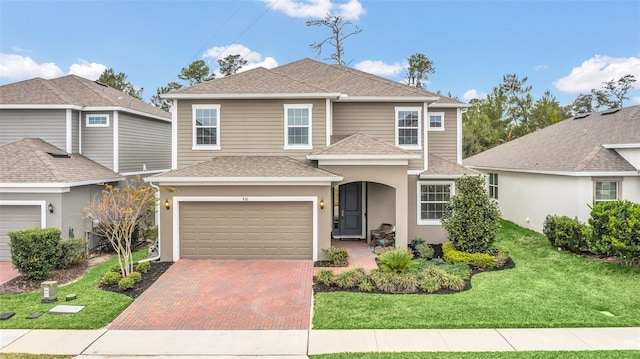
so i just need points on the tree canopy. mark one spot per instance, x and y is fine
(231, 64)
(196, 72)
(119, 81)
(418, 69)
(336, 26)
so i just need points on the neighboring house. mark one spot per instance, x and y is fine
(271, 163)
(79, 117)
(564, 168)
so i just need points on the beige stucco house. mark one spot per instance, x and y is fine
(273, 163)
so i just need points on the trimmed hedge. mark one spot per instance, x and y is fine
(35, 252)
(567, 233)
(480, 260)
(615, 229)
(72, 251)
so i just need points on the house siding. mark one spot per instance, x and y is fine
(430, 233)
(48, 125)
(248, 127)
(143, 141)
(374, 119)
(443, 143)
(75, 132)
(97, 142)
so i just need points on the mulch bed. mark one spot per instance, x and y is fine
(157, 269)
(328, 264)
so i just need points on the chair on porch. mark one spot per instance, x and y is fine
(382, 229)
(384, 238)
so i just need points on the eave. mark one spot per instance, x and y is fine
(244, 181)
(562, 173)
(208, 96)
(347, 98)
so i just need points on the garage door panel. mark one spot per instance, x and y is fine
(251, 230)
(15, 218)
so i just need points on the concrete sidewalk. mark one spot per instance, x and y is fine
(293, 344)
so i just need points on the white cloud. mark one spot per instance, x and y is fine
(87, 70)
(636, 99)
(268, 63)
(19, 67)
(541, 68)
(350, 10)
(596, 70)
(380, 68)
(19, 49)
(473, 93)
(254, 59)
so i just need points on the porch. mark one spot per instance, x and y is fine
(359, 256)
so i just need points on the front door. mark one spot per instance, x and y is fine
(350, 210)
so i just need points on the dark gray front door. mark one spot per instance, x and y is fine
(350, 209)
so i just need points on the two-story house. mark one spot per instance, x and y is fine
(61, 140)
(273, 163)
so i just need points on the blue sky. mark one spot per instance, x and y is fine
(567, 47)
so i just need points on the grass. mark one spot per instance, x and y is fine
(547, 289)
(596, 354)
(33, 356)
(101, 307)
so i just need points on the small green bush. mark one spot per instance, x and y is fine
(567, 233)
(367, 284)
(398, 261)
(72, 251)
(425, 251)
(615, 229)
(453, 282)
(480, 260)
(136, 276)
(351, 278)
(126, 283)
(35, 252)
(383, 280)
(143, 267)
(429, 284)
(111, 278)
(338, 256)
(325, 277)
(406, 282)
(460, 269)
(501, 259)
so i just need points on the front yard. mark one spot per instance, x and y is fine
(548, 288)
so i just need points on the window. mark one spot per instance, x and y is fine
(98, 120)
(206, 127)
(493, 185)
(297, 123)
(408, 127)
(436, 121)
(606, 191)
(433, 198)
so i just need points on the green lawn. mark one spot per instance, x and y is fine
(548, 288)
(101, 306)
(598, 354)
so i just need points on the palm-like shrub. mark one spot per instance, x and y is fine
(398, 261)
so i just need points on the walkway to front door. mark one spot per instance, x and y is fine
(225, 295)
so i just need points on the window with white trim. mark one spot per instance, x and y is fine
(606, 191)
(436, 121)
(432, 198)
(206, 127)
(97, 120)
(408, 127)
(297, 126)
(493, 185)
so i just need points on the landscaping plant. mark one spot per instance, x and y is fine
(338, 256)
(397, 261)
(471, 218)
(35, 252)
(567, 233)
(615, 229)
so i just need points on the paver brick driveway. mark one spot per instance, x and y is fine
(225, 295)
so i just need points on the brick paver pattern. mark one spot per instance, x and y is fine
(360, 255)
(7, 272)
(225, 295)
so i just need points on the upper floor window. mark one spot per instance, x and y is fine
(408, 127)
(97, 120)
(606, 191)
(436, 121)
(434, 196)
(206, 127)
(493, 185)
(297, 124)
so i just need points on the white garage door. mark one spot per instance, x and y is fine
(13, 218)
(246, 230)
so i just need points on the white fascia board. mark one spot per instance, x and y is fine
(442, 176)
(197, 182)
(25, 189)
(148, 172)
(414, 172)
(388, 99)
(560, 173)
(128, 110)
(621, 145)
(363, 157)
(360, 162)
(251, 96)
(33, 185)
(69, 131)
(39, 107)
(449, 105)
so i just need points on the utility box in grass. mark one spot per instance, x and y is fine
(49, 291)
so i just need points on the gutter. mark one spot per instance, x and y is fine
(158, 223)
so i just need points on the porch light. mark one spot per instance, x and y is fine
(50, 207)
(167, 205)
(322, 204)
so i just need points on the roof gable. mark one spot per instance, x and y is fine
(360, 144)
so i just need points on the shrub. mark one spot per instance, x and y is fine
(383, 280)
(460, 269)
(35, 252)
(437, 273)
(471, 217)
(126, 283)
(406, 282)
(398, 261)
(136, 276)
(366, 285)
(567, 233)
(325, 277)
(429, 284)
(72, 251)
(501, 259)
(453, 282)
(143, 267)
(115, 268)
(480, 260)
(103, 242)
(338, 256)
(350, 279)
(111, 278)
(425, 251)
(615, 229)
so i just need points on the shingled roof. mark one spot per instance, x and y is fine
(72, 90)
(573, 145)
(360, 144)
(32, 160)
(441, 168)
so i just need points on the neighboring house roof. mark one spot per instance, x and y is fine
(361, 145)
(247, 168)
(441, 168)
(32, 160)
(573, 145)
(308, 77)
(73, 90)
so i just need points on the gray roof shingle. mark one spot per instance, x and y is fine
(438, 166)
(360, 144)
(573, 145)
(30, 161)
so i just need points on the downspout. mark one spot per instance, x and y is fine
(150, 259)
